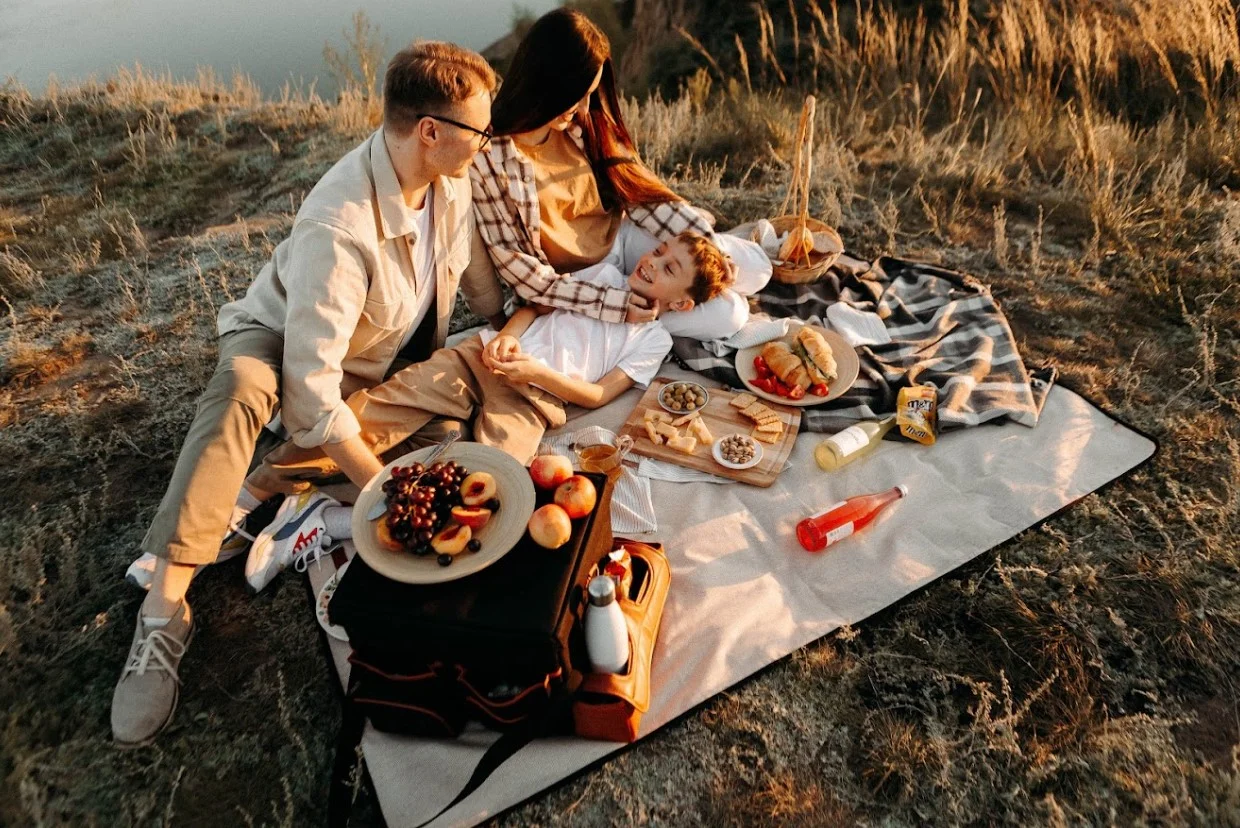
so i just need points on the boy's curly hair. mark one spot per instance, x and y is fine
(713, 268)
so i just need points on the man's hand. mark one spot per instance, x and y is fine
(500, 349)
(519, 369)
(641, 310)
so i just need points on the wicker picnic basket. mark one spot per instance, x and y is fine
(807, 265)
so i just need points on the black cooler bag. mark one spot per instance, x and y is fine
(502, 646)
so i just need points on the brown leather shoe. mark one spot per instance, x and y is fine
(147, 692)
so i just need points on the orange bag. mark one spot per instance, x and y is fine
(609, 706)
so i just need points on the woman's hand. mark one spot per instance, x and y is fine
(519, 369)
(641, 310)
(500, 349)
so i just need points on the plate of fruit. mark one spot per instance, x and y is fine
(451, 519)
(810, 365)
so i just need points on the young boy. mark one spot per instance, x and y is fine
(516, 382)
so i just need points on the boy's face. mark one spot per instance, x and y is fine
(666, 275)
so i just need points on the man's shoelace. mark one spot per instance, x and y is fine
(154, 653)
(313, 553)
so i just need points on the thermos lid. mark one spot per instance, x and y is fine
(602, 590)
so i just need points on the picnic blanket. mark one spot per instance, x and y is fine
(946, 329)
(744, 594)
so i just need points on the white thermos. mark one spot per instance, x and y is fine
(607, 634)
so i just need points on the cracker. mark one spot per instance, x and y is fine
(766, 436)
(742, 400)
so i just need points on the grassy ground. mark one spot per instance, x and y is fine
(1080, 164)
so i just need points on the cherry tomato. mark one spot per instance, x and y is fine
(780, 388)
(796, 392)
(759, 365)
(763, 384)
(819, 389)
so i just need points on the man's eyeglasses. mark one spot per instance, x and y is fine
(485, 133)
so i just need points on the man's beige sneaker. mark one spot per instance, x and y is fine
(147, 692)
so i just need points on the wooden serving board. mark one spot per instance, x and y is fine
(722, 419)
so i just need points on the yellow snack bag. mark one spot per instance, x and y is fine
(917, 413)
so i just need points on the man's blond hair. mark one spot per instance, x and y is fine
(427, 78)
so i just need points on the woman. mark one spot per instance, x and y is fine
(561, 187)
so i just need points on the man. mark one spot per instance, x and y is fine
(369, 272)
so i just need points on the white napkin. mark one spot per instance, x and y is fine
(663, 470)
(858, 327)
(632, 508)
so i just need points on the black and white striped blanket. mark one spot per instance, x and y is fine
(946, 330)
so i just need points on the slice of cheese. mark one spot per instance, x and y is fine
(743, 400)
(666, 430)
(690, 417)
(699, 429)
(686, 444)
(655, 437)
(766, 436)
(654, 415)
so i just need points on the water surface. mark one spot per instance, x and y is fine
(273, 42)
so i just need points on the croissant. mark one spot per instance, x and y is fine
(819, 361)
(786, 365)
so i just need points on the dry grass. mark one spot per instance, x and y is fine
(1079, 157)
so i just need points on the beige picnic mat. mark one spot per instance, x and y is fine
(744, 594)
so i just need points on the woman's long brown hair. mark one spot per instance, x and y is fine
(551, 71)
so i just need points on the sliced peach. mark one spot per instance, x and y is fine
(477, 489)
(452, 539)
(385, 538)
(475, 517)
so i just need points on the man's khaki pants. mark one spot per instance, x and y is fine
(451, 383)
(221, 446)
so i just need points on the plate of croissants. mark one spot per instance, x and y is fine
(808, 366)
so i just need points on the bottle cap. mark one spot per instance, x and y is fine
(602, 590)
(903, 490)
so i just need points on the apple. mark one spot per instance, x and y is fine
(550, 470)
(475, 517)
(477, 489)
(576, 496)
(451, 540)
(550, 526)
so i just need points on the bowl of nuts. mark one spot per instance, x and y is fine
(737, 451)
(683, 397)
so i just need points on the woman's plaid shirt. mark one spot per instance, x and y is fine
(506, 211)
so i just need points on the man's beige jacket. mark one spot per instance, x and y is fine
(340, 288)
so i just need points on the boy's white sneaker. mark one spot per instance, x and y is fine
(297, 535)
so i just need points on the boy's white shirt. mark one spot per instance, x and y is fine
(585, 348)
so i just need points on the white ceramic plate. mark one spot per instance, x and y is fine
(501, 533)
(717, 452)
(701, 389)
(325, 596)
(847, 366)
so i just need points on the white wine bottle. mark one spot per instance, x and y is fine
(853, 442)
